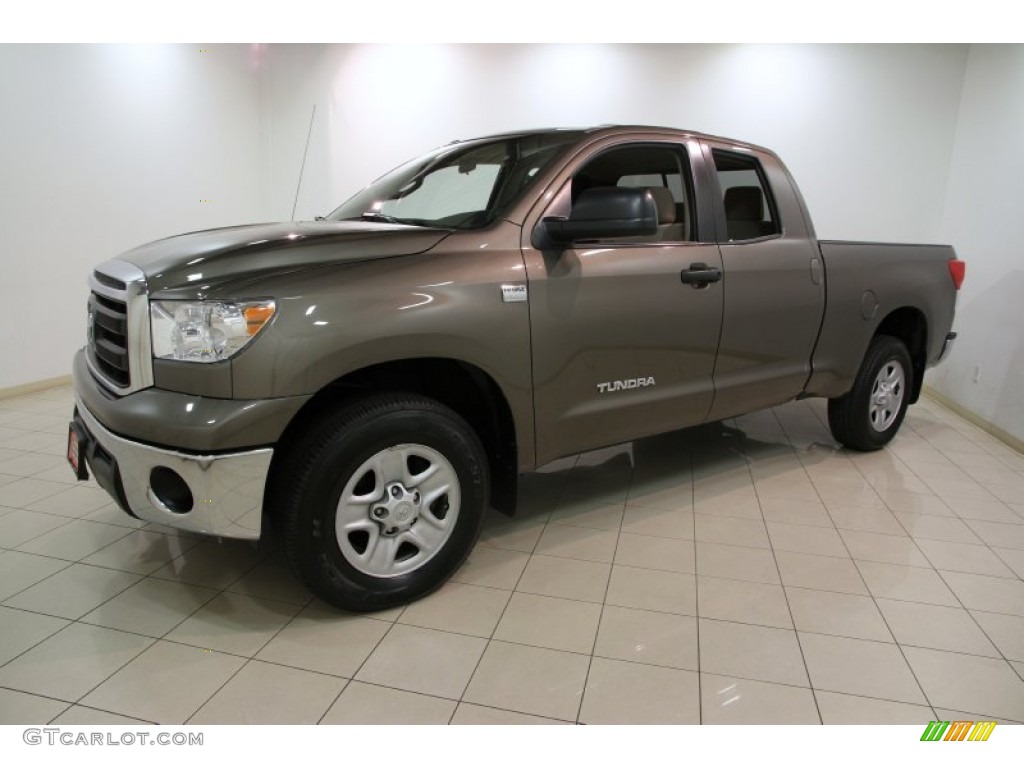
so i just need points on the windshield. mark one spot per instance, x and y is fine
(460, 186)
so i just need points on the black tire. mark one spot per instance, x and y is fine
(323, 463)
(856, 420)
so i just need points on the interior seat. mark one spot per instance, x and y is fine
(744, 213)
(670, 228)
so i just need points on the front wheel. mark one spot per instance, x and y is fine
(383, 501)
(870, 414)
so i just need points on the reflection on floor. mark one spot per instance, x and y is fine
(743, 572)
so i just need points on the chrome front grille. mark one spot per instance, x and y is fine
(119, 348)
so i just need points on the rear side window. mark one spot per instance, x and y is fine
(750, 210)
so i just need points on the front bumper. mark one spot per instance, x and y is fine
(226, 489)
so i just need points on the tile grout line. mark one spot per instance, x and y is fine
(782, 587)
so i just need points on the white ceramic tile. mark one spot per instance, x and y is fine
(735, 701)
(150, 607)
(186, 678)
(1008, 535)
(461, 608)
(836, 574)
(860, 667)
(796, 512)
(662, 523)
(587, 514)
(78, 715)
(902, 582)
(18, 708)
(742, 601)
(72, 662)
(214, 563)
(488, 567)
(263, 693)
(884, 548)
(969, 558)
(624, 693)
(365, 704)
(423, 661)
(846, 709)
(534, 681)
(741, 563)
(561, 577)
(474, 714)
(836, 613)
(19, 526)
(234, 623)
(987, 593)
(943, 627)
(20, 630)
(986, 686)
(141, 552)
(19, 571)
(325, 640)
(550, 622)
(73, 592)
(658, 553)
(1006, 631)
(77, 539)
(577, 543)
(731, 530)
(648, 637)
(652, 590)
(752, 652)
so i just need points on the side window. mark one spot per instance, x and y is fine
(662, 169)
(746, 197)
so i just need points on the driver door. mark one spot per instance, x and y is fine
(622, 347)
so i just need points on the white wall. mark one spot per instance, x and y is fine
(867, 130)
(983, 218)
(102, 148)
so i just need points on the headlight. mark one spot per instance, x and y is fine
(205, 331)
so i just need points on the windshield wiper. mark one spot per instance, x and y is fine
(376, 216)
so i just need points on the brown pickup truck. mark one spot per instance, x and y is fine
(371, 383)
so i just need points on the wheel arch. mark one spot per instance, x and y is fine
(465, 388)
(909, 325)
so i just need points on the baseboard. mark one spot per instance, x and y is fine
(983, 424)
(34, 386)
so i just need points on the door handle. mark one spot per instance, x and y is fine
(700, 275)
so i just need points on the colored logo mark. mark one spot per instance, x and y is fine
(958, 730)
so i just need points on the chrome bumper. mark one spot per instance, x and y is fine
(227, 489)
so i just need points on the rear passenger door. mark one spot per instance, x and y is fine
(622, 347)
(773, 285)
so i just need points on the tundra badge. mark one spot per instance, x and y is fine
(614, 386)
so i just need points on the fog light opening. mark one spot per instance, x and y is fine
(171, 490)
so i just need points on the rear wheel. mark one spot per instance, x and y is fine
(870, 414)
(383, 501)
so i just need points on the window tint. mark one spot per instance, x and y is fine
(746, 197)
(662, 169)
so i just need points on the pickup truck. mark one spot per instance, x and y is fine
(369, 384)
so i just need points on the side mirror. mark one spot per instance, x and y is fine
(603, 212)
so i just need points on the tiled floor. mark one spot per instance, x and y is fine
(745, 572)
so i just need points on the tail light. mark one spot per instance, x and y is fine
(957, 270)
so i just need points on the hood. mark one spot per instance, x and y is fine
(215, 259)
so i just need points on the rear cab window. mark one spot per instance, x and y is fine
(750, 210)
